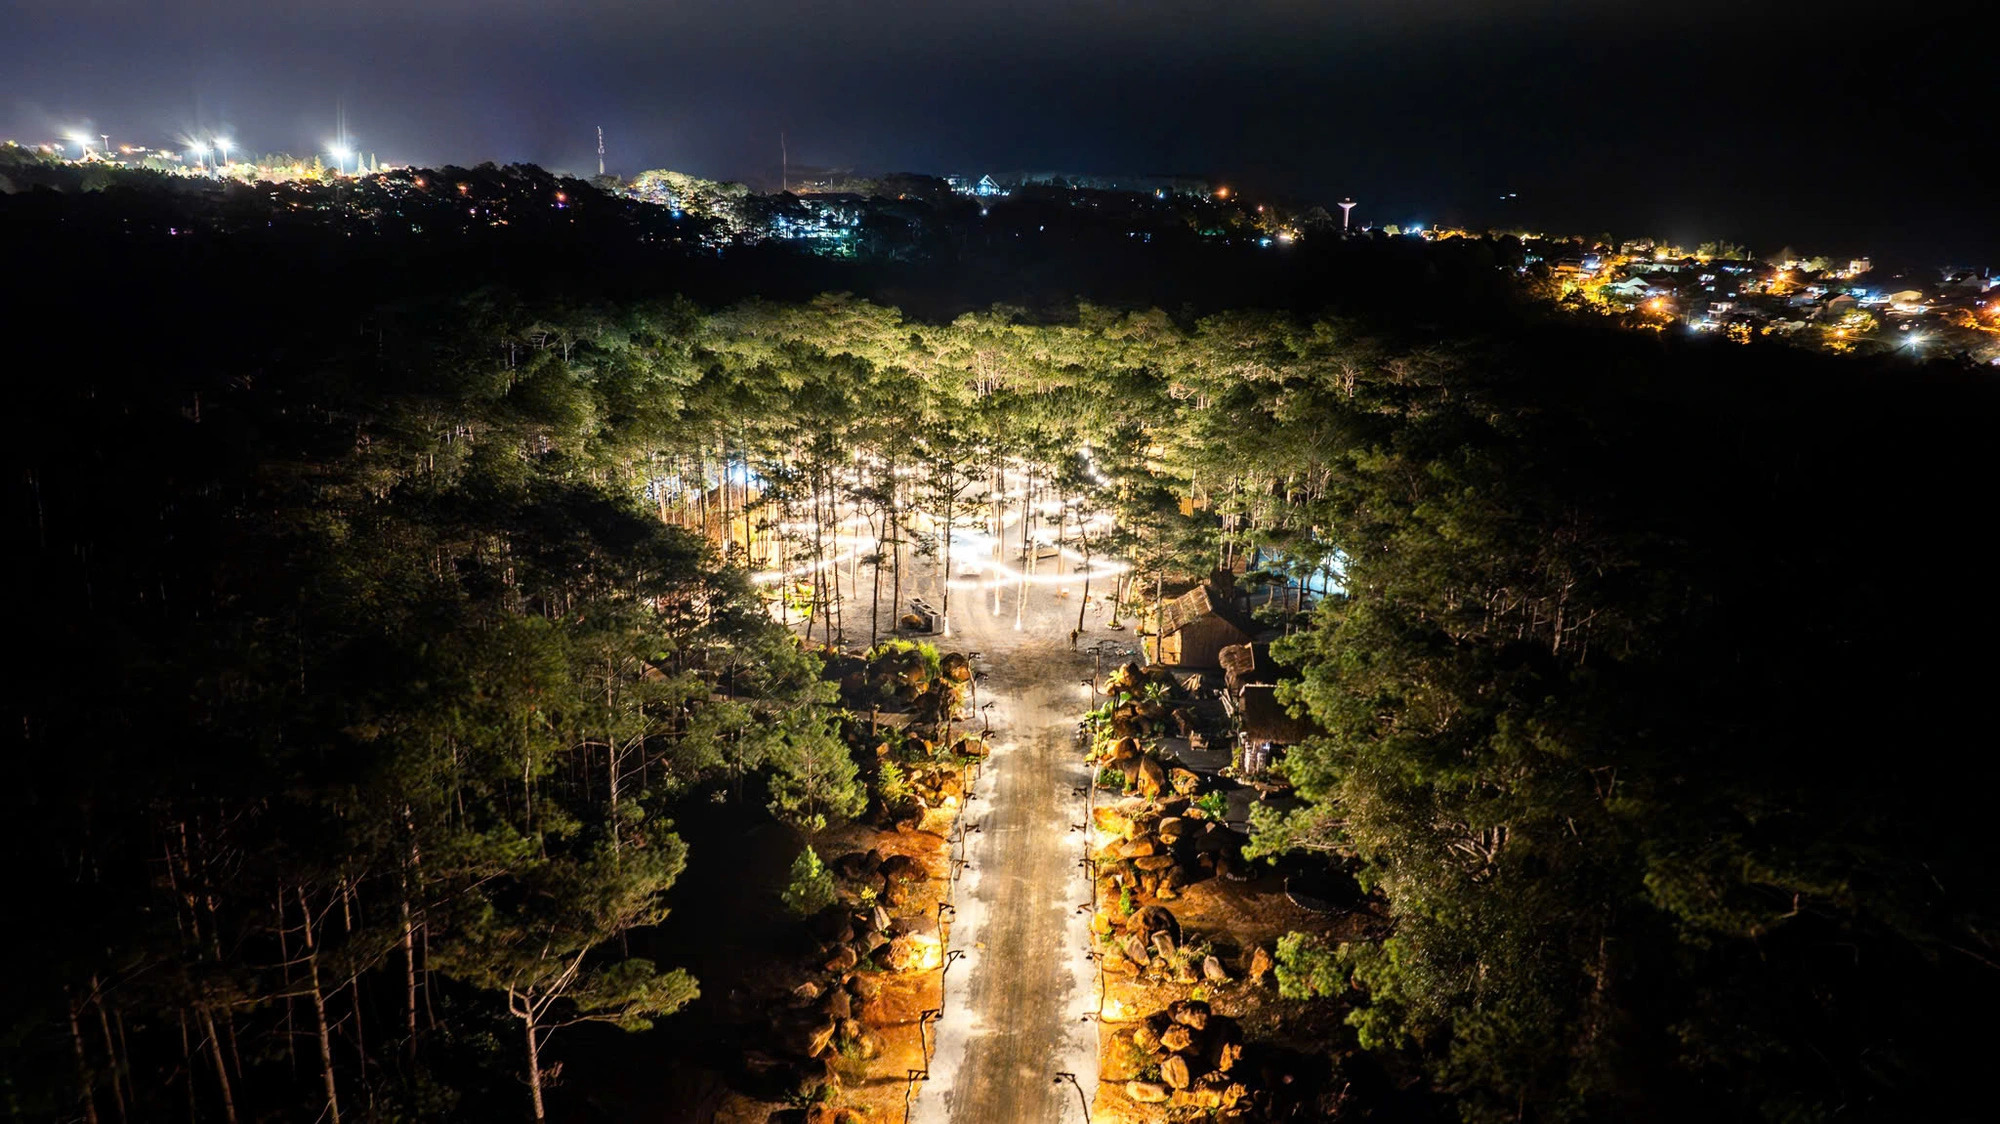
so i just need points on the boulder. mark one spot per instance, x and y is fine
(1124, 749)
(1214, 838)
(851, 1030)
(842, 959)
(1155, 863)
(1146, 1038)
(838, 1004)
(863, 986)
(1211, 970)
(1163, 943)
(1127, 677)
(1260, 964)
(902, 866)
(1155, 919)
(853, 864)
(1171, 828)
(1178, 1073)
(1151, 779)
(956, 667)
(923, 925)
(828, 926)
(1135, 949)
(1184, 781)
(1142, 847)
(1201, 1095)
(1227, 1054)
(1190, 1013)
(1177, 1039)
(813, 1039)
(807, 991)
(1147, 1092)
(1185, 722)
(1109, 819)
(879, 918)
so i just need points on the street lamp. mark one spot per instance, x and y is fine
(222, 145)
(339, 153)
(924, 1019)
(199, 151)
(82, 143)
(1080, 1098)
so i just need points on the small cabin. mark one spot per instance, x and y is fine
(1195, 627)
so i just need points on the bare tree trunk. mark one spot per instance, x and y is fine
(1083, 537)
(534, 1066)
(999, 528)
(1027, 545)
(876, 527)
(319, 1014)
(187, 1066)
(950, 517)
(896, 555)
(85, 1080)
(221, 1069)
(110, 1047)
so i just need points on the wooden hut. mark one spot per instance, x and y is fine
(1266, 728)
(1195, 627)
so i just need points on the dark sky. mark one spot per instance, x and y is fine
(1832, 127)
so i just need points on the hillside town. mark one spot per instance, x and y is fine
(1842, 305)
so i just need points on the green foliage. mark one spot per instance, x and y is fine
(810, 888)
(1126, 906)
(1214, 805)
(890, 786)
(1307, 967)
(407, 621)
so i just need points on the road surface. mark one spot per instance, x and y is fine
(1014, 1004)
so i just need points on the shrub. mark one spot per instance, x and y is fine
(1306, 967)
(889, 783)
(811, 887)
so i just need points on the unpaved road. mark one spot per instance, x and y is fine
(1015, 1003)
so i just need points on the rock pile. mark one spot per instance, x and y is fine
(1195, 1053)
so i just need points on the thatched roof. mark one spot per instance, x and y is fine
(1244, 664)
(1266, 720)
(1204, 601)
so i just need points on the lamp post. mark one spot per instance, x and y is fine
(1080, 1098)
(950, 958)
(924, 1019)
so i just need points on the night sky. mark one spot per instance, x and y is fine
(1830, 127)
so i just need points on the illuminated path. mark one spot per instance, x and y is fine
(1014, 1004)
